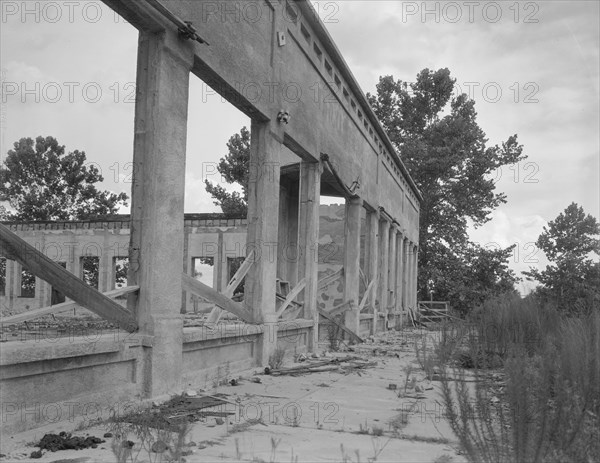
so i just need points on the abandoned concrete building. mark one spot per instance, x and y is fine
(280, 252)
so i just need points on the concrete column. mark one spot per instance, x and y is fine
(384, 259)
(392, 293)
(415, 275)
(352, 261)
(308, 243)
(372, 260)
(410, 276)
(105, 265)
(405, 272)
(157, 221)
(9, 289)
(287, 262)
(263, 218)
(399, 271)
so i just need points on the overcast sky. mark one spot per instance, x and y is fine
(532, 68)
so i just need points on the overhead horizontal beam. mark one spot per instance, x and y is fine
(63, 307)
(15, 248)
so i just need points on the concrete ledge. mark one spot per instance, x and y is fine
(50, 349)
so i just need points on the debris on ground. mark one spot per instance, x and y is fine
(65, 441)
(341, 364)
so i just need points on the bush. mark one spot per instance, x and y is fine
(549, 408)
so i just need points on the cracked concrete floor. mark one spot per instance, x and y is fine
(317, 417)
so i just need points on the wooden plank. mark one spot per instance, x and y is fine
(291, 296)
(212, 295)
(363, 277)
(363, 302)
(327, 280)
(64, 307)
(351, 333)
(15, 248)
(340, 309)
(233, 284)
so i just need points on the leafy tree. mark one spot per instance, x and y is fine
(572, 279)
(234, 168)
(447, 155)
(41, 182)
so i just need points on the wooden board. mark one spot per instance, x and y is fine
(64, 307)
(15, 248)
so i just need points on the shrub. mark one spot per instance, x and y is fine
(549, 409)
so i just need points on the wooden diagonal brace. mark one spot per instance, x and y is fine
(212, 295)
(291, 296)
(233, 284)
(15, 248)
(64, 307)
(327, 280)
(355, 337)
(365, 298)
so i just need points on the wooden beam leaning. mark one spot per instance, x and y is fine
(63, 307)
(212, 295)
(215, 314)
(355, 337)
(328, 279)
(15, 248)
(365, 298)
(291, 296)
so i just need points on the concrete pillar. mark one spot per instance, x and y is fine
(157, 221)
(405, 272)
(352, 261)
(399, 270)
(105, 265)
(308, 243)
(372, 260)
(392, 270)
(415, 275)
(410, 276)
(9, 289)
(287, 261)
(263, 218)
(384, 259)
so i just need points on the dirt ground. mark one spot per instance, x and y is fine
(352, 415)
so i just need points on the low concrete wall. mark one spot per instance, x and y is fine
(67, 379)
(51, 380)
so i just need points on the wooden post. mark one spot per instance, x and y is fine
(308, 243)
(157, 220)
(263, 218)
(352, 261)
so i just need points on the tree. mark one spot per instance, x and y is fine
(41, 182)
(447, 155)
(572, 279)
(234, 168)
